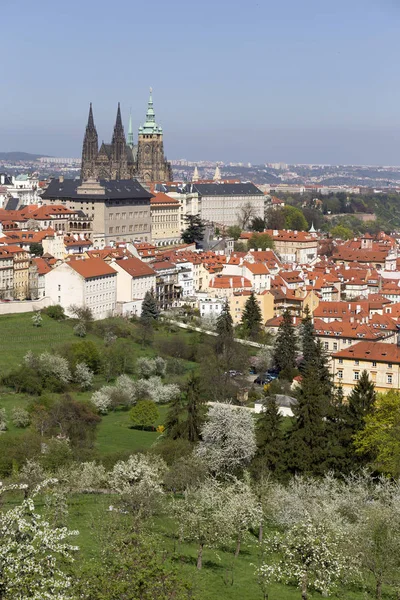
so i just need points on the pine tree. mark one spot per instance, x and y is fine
(270, 441)
(194, 410)
(285, 347)
(361, 401)
(173, 421)
(308, 342)
(150, 310)
(194, 231)
(307, 440)
(252, 317)
(224, 329)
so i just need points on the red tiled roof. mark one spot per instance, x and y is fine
(91, 267)
(371, 351)
(136, 267)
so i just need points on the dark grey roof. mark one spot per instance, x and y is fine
(114, 190)
(285, 401)
(226, 189)
(12, 204)
(106, 149)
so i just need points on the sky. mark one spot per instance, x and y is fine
(296, 81)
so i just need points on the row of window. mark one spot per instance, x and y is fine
(357, 363)
(141, 214)
(356, 377)
(131, 228)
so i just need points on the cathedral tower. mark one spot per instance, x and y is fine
(152, 165)
(90, 148)
(119, 159)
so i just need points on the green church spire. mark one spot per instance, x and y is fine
(130, 132)
(150, 125)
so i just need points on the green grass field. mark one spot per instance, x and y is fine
(223, 577)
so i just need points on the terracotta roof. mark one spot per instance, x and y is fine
(257, 268)
(42, 266)
(136, 267)
(371, 351)
(230, 282)
(91, 267)
(161, 198)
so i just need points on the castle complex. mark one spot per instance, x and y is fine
(121, 160)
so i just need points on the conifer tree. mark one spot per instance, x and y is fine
(224, 329)
(194, 410)
(194, 231)
(308, 342)
(150, 310)
(252, 317)
(307, 440)
(270, 441)
(285, 347)
(173, 421)
(361, 401)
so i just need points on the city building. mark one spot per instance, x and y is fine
(222, 203)
(122, 160)
(134, 279)
(380, 360)
(165, 224)
(118, 210)
(91, 283)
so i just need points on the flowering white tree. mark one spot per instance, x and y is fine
(32, 554)
(20, 417)
(31, 475)
(138, 481)
(202, 517)
(88, 477)
(3, 419)
(146, 367)
(242, 509)
(228, 439)
(83, 376)
(310, 555)
(37, 319)
(49, 364)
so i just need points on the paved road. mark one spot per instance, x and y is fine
(207, 332)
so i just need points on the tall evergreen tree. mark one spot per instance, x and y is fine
(307, 440)
(173, 421)
(150, 310)
(285, 347)
(194, 231)
(252, 317)
(194, 410)
(361, 401)
(308, 342)
(270, 440)
(224, 329)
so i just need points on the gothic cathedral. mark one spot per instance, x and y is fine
(120, 160)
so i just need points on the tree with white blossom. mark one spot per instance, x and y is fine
(242, 509)
(138, 482)
(228, 439)
(83, 376)
(3, 420)
(32, 553)
(310, 555)
(202, 518)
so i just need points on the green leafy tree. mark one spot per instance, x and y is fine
(285, 347)
(234, 232)
(379, 440)
(294, 219)
(150, 310)
(261, 241)
(252, 317)
(342, 232)
(144, 414)
(36, 249)
(194, 231)
(55, 312)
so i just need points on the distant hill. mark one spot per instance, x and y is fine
(24, 156)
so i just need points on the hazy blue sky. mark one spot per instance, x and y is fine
(282, 80)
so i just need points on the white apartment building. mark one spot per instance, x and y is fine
(222, 203)
(134, 279)
(25, 188)
(91, 283)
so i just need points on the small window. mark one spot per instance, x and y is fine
(335, 346)
(374, 363)
(340, 374)
(340, 361)
(390, 366)
(390, 378)
(326, 345)
(356, 362)
(356, 375)
(59, 288)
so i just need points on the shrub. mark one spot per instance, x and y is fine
(20, 417)
(25, 380)
(55, 312)
(3, 419)
(83, 352)
(144, 414)
(83, 376)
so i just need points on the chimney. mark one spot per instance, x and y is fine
(242, 281)
(231, 282)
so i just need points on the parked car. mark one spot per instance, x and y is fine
(262, 380)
